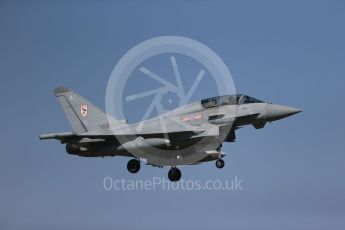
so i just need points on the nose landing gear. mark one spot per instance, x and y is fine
(220, 163)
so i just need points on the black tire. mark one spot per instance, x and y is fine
(174, 174)
(220, 163)
(133, 166)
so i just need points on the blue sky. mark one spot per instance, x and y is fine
(287, 52)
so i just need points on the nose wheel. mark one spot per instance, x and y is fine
(174, 174)
(133, 166)
(220, 163)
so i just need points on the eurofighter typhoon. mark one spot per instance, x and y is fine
(190, 134)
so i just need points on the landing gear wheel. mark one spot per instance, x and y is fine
(133, 166)
(174, 174)
(220, 163)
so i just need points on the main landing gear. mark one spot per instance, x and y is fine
(174, 174)
(133, 166)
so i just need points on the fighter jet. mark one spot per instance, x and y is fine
(188, 135)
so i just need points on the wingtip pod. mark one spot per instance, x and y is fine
(61, 90)
(56, 135)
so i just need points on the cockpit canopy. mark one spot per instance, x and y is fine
(236, 99)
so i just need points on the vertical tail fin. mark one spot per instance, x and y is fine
(82, 115)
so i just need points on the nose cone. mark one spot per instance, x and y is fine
(276, 112)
